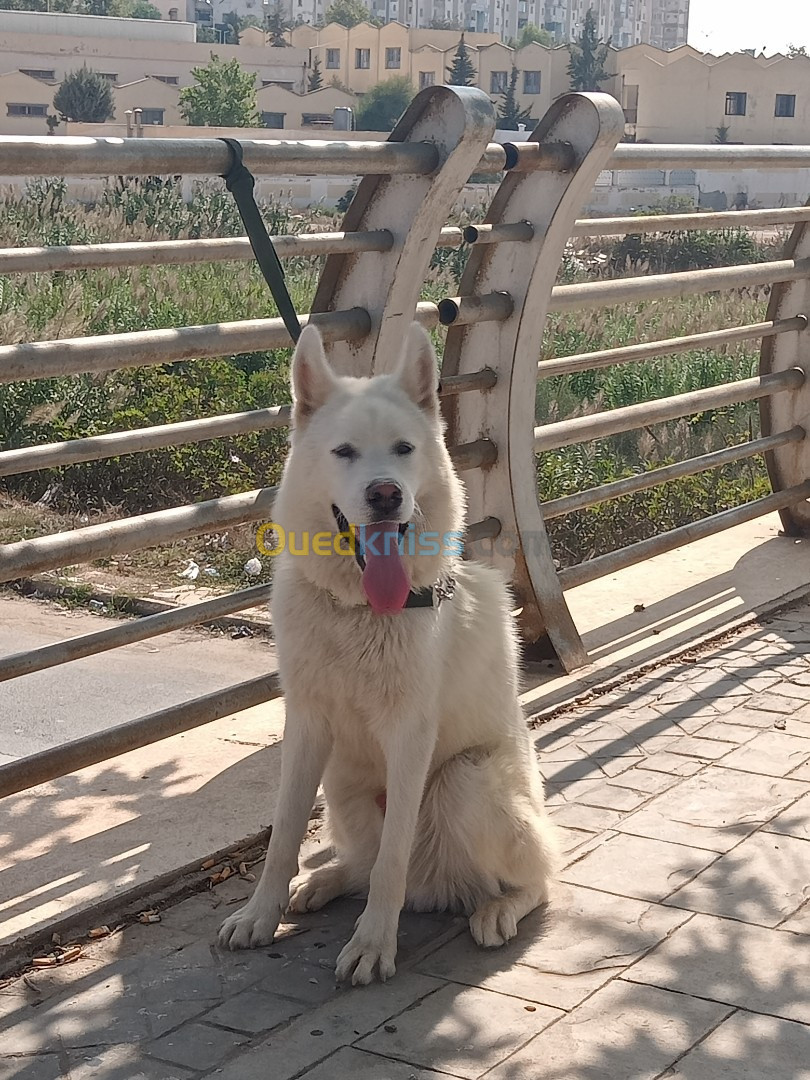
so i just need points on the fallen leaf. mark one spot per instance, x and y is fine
(147, 917)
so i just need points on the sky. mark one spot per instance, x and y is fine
(730, 25)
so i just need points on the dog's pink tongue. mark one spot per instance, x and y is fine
(385, 582)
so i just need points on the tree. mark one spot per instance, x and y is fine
(721, 133)
(315, 81)
(232, 24)
(531, 33)
(384, 103)
(206, 35)
(84, 97)
(445, 24)
(796, 50)
(510, 113)
(348, 13)
(223, 95)
(588, 57)
(142, 9)
(462, 71)
(277, 26)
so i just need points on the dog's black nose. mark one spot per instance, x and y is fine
(384, 498)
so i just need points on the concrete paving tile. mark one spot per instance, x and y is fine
(714, 810)
(623, 1031)
(571, 839)
(604, 795)
(704, 749)
(667, 762)
(461, 1030)
(568, 772)
(122, 1063)
(762, 880)
(304, 983)
(795, 821)
(773, 701)
(798, 923)
(751, 967)
(725, 730)
(619, 765)
(574, 946)
(320, 1032)
(751, 718)
(353, 1064)
(802, 773)
(579, 816)
(197, 1046)
(637, 866)
(253, 1011)
(749, 1046)
(791, 690)
(644, 780)
(773, 753)
(38, 1067)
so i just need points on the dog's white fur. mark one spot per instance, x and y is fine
(421, 705)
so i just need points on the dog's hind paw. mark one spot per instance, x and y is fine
(318, 889)
(249, 928)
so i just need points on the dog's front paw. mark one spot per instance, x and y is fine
(251, 926)
(368, 955)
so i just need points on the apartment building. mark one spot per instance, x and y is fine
(662, 23)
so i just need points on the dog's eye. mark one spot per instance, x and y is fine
(345, 451)
(402, 449)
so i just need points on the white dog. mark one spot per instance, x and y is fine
(398, 662)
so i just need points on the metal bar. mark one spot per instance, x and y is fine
(687, 156)
(464, 310)
(231, 249)
(520, 232)
(47, 765)
(53, 455)
(184, 252)
(617, 560)
(600, 425)
(725, 219)
(29, 155)
(567, 365)
(475, 455)
(629, 485)
(28, 557)
(73, 356)
(126, 633)
(596, 294)
(487, 529)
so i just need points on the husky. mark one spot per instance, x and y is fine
(399, 665)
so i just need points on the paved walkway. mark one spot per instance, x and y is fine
(677, 943)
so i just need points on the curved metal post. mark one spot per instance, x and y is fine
(789, 465)
(592, 124)
(459, 122)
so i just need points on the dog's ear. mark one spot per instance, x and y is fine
(417, 373)
(312, 379)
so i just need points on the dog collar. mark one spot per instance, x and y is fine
(430, 596)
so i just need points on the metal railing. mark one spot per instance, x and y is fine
(369, 286)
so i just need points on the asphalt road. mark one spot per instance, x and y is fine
(51, 707)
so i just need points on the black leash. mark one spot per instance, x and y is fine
(239, 181)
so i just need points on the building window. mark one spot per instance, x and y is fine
(427, 78)
(273, 119)
(785, 105)
(531, 82)
(362, 59)
(39, 73)
(497, 82)
(27, 110)
(170, 80)
(152, 117)
(736, 104)
(333, 58)
(393, 58)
